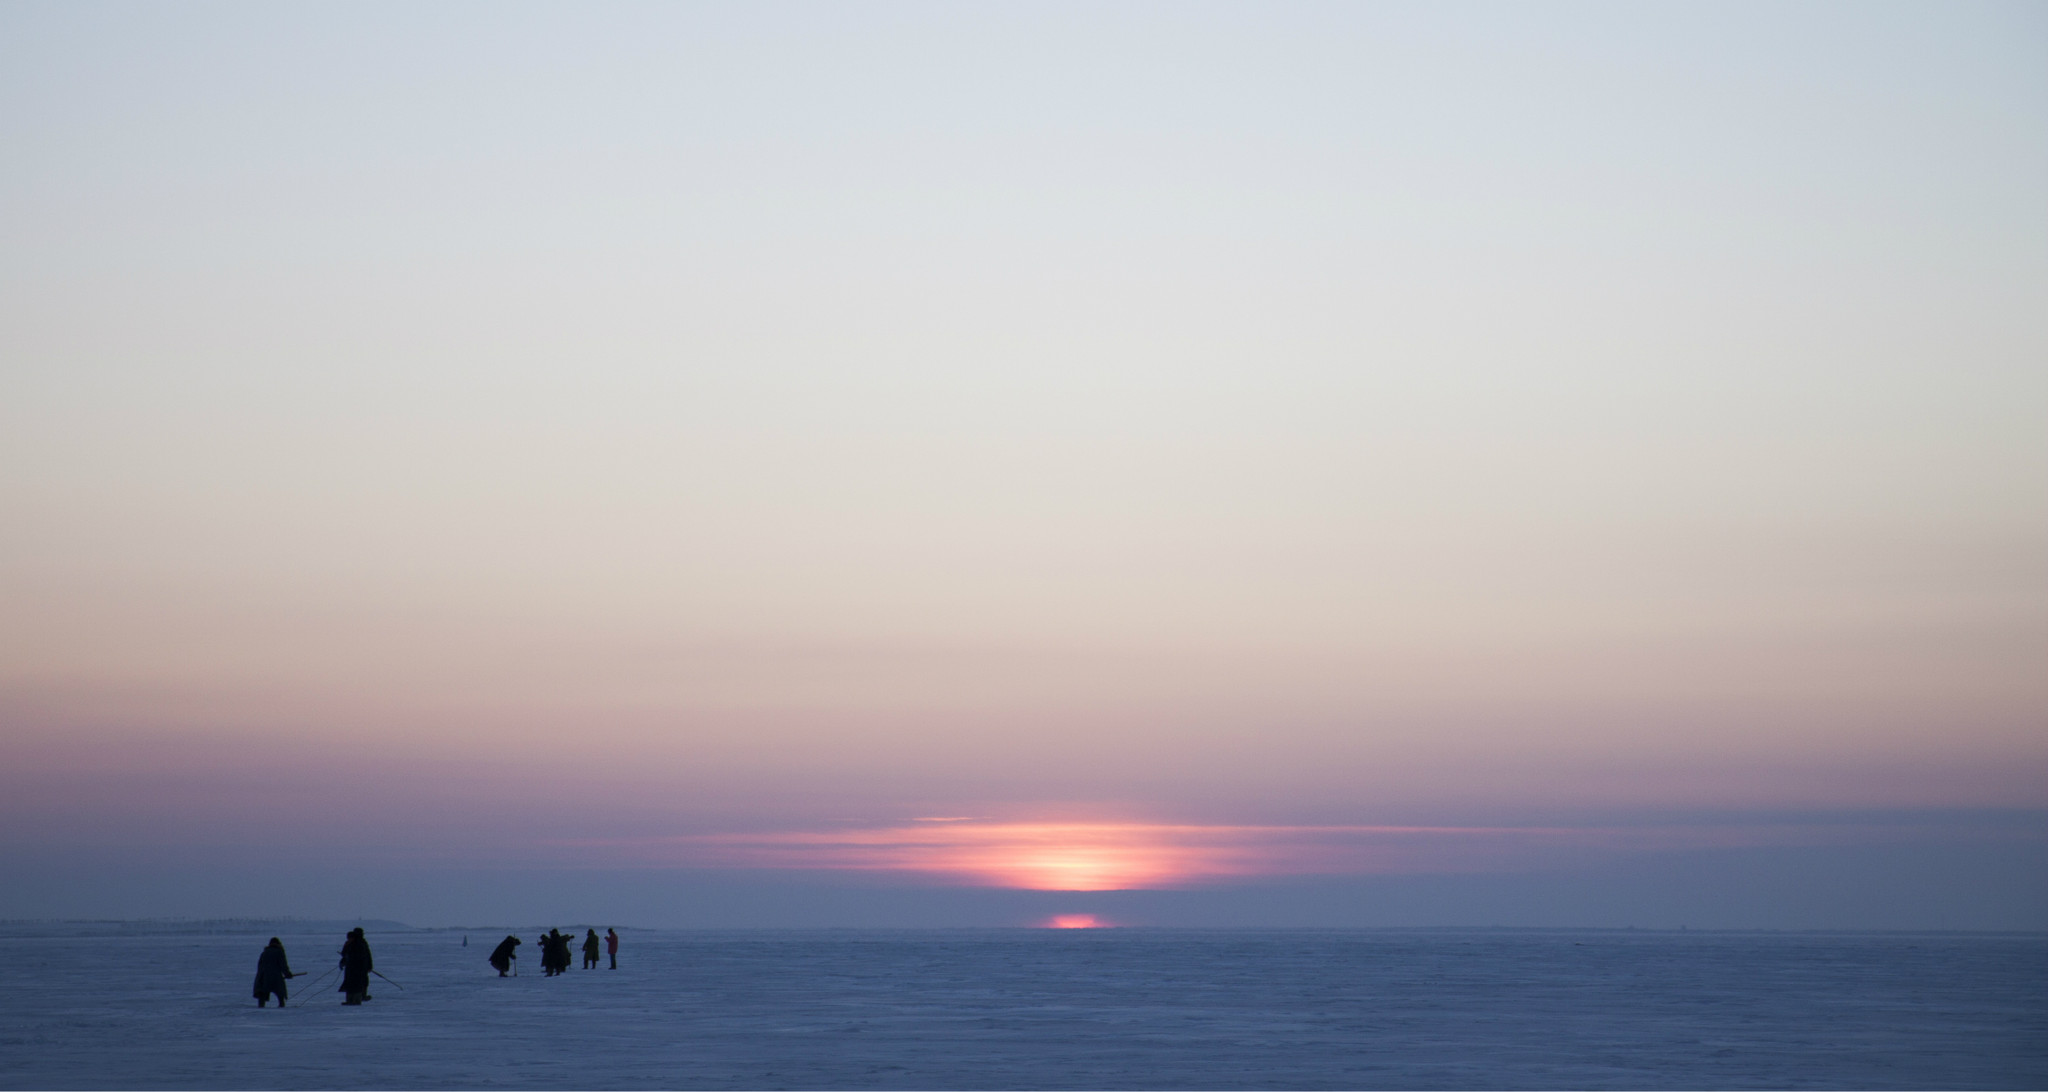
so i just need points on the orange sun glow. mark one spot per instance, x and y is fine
(1075, 921)
(1074, 856)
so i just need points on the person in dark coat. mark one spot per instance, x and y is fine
(590, 947)
(272, 968)
(355, 968)
(503, 955)
(555, 952)
(611, 946)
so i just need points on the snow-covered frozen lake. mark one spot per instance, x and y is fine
(1047, 1009)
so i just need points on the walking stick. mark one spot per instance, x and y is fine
(380, 974)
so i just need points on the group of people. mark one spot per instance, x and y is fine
(274, 970)
(554, 951)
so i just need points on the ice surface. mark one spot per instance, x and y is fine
(1046, 1009)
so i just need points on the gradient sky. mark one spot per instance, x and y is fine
(677, 436)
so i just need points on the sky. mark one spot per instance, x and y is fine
(1565, 464)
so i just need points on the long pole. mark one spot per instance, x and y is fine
(380, 974)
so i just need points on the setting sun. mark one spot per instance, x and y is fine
(1030, 856)
(1111, 856)
(1075, 921)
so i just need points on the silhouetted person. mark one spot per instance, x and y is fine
(611, 946)
(547, 953)
(558, 951)
(503, 955)
(272, 968)
(355, 968)
(590, 950)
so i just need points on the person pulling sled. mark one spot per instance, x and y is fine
(272, 969)
(355, 968)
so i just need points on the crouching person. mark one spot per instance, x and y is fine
(502, 957)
